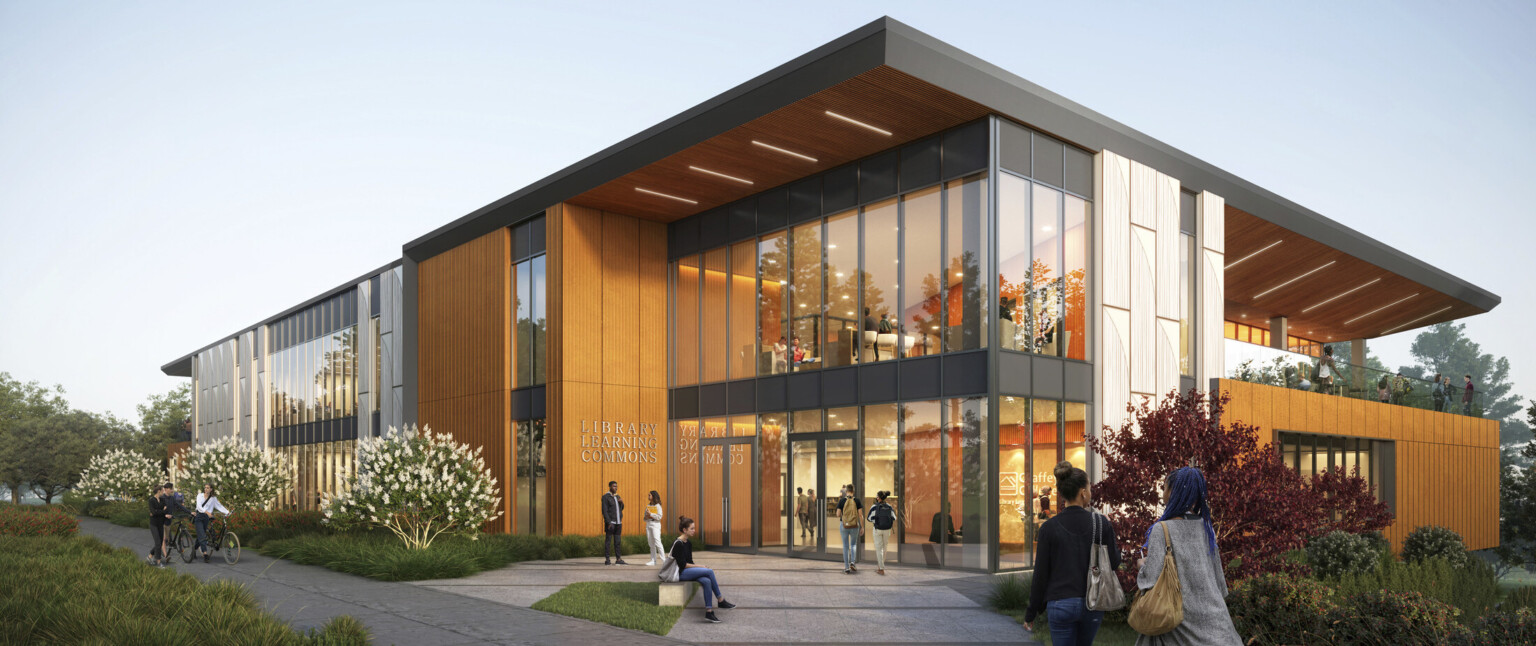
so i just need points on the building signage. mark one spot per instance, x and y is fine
(619, 442)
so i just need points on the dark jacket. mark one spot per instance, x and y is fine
(157, 511)
(613, 509)
(1061, 557)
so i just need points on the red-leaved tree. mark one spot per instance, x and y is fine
(1260, 508)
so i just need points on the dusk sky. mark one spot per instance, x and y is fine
(171, 173)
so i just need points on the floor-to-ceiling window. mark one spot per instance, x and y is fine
(529, 320)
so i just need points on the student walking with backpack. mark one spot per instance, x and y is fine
(883, 518)
(1184, 532)
(1063, 556)
(851, 518)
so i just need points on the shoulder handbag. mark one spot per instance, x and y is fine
(1161, 608)
(1104, 592)
(669, 570)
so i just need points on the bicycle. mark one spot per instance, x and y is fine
(220, 539)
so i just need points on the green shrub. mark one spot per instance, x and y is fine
(1499, 628)
(123, 512)
(1011, 592)
(27, 520)
(254, 520)
(616, 603)
(81, 591)
(343, 630)
(1339, 553)
(1378, 540)
(1432, 542)
(553, 554)
(1397, 618)
(1281, 609)
(1472, 588)
(1524, 597)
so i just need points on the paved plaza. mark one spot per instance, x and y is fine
(781, 600)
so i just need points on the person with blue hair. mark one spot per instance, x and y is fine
(1202, 580)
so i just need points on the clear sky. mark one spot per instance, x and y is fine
(171, 173)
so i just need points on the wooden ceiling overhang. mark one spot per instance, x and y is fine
(716, 171)
(1325, 293)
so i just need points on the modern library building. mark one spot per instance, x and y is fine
(885, 264)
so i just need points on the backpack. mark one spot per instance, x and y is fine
(885, 517)
(849, 513)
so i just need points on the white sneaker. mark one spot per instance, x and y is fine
(650, 562)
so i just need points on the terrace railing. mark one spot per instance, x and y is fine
(1264, 365)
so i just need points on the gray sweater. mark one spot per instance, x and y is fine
(1202, 581)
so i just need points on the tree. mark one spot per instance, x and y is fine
(418, 486)
(162, 421)
(19, 402)
(119, 474)
(1517, 506)
(54, 450)
(1444, 349)
(1260, 507)
(245, 476)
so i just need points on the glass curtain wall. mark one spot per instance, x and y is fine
(314, 366)
(773, 325)
(881, 278)
(1033, 436)
(744, 352)
(528, 304)
(773, 478)
(322, 468)
(530, 465)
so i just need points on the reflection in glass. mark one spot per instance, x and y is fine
(925, 525)
(805, 314)
(882, 277)
(1016, 517)
(773, 263)
(743, 336)
(1074, 427)
(686, 469)
(805, 461)
(540, 326)
(805, 421)
(713, 334)
(842, 303)
(773, 470)
(922, 272)
(1045, 452)
(966, 465)
(1075, 324)
(685, 322)
(965, 216)
(881, 424)
(1014, 281)
(1045, 270)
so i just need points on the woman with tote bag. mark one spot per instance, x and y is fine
(1184, 532)
(1064, 556)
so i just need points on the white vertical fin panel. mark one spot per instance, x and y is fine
(364, 348)
(1114, 355)
(1212, 216)
(1115, 205)
(1143, 311)
(1167, 247)
(1143, 195)
(1213, 222)
(1167, 357)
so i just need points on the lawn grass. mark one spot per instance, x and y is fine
(379, 555)
(79, 590)
(617, 603)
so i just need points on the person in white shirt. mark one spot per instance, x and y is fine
(653, 518)
(207, 503)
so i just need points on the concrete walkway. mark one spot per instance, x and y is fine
(397, 613)
(782, 599)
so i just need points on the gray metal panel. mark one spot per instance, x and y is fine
(804, 390)
(877, 382)
(965, 373)
(840, 387)
(1079, 381)
(1049, 377)
(712, 400)
(1013, 374)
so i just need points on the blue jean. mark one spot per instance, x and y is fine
(1072, 623)
(850, 546)
(201, 522)
(707, 580)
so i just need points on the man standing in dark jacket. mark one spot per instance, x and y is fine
(613, 523)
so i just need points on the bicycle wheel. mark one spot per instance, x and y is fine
(185, 545)
(231, 548)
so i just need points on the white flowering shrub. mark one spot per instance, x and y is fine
(119, 475)
(417, 485)
(243, 475)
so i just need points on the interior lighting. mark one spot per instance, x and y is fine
(1378, 279)
(856, 122)
(1400, 300)
(733, 178)
(777, 149)
(1271, 246)
(670, 197)
(1325, 266)
(1417, 320)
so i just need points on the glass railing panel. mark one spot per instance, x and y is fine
(1273, 367)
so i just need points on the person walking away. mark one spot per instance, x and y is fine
(800, 509)
(1063, 550)
(1438, 394)
(687, 570)
(851, 518)
(883, 518)
(811, 516)
(1466, 397)
(1202, 582)
(207, 503)
(158, 517)
(653, 518)
(1383, 390)
(613, 523)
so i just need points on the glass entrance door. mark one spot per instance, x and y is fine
(725, 517)
(820, 466)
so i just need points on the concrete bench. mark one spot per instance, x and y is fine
(676, 594)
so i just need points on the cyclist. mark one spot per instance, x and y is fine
(175, 508)
(207, 503)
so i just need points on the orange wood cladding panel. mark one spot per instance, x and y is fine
(462, 344)
(607, 363)
(1447, 465)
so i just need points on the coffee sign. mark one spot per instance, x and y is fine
(619, 442)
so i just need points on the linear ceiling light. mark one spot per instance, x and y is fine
(670, 197)
(1261, 294)
(856, 122)
(781, 150)
(1271, 246)
(1416, 320)
(733, 178)
(1400, 300)
(1341, 296)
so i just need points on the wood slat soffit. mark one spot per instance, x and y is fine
(1326, 294)
(884, 98)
